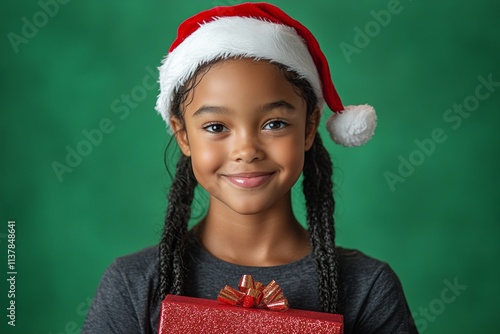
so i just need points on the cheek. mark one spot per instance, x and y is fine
(206, 158)
(290, 153)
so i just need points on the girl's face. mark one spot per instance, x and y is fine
(246, 130)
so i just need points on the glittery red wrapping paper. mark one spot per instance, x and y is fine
(195, 315)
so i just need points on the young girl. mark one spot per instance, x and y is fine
(243, 88)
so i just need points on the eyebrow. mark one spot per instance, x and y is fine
(281, 104)
(211, 110)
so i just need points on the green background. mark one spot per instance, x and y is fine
(441, 223)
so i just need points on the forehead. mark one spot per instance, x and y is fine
(241, 81)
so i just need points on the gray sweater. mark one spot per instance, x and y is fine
(373, 301)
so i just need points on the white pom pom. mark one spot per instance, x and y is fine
(354, 126)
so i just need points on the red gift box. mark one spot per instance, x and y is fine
(195, 315)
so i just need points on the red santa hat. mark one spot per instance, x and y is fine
(260, 31)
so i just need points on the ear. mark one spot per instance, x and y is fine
(180, 134)
(312, 127)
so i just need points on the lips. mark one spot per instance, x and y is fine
(249, 180)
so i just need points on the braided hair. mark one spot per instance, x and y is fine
(317, 188)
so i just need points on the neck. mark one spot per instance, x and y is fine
(268, 238)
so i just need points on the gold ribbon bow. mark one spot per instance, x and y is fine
(254, 294)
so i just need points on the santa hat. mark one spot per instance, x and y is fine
(260, 31)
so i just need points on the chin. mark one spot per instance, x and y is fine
(247, 208)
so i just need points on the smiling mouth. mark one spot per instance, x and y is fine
(248, 180)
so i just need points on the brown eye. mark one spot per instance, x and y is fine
(275, 125)
(215, 128)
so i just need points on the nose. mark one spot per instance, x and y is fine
(247, 148)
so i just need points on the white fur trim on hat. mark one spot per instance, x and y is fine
(354, 126)
(235, 37)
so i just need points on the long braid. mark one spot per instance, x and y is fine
(318, 192)
(317, 187)
(173, 241)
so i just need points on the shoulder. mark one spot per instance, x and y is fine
(360, 268)
(351, 259)
(136, 271)
(122, 302)
(363, 272)
(372, 295)
(143, 262)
